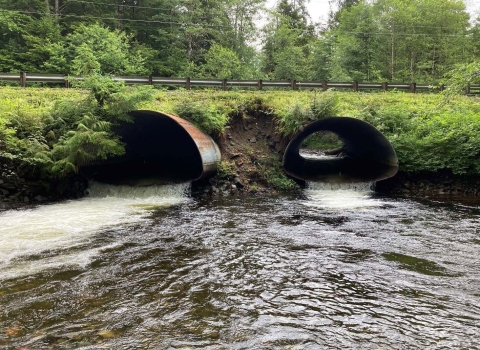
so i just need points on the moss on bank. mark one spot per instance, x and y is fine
(427, 134)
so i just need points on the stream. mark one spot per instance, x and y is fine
(335, 267)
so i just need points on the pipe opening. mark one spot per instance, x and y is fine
(321, 145)
(159, 148)
(363, 154)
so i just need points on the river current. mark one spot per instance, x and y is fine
(153, 268)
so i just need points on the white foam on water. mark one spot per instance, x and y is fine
(69, 224)
(340, 196)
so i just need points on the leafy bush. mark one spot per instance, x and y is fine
(427, 133)
(208, 117)
(61, 129)
(296, 116)
(226, 170)
(81, 129)
(274, 176)
(322, 140)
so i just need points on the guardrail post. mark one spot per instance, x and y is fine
(413, 87)
(441, 87)
(23, 79)
(324, 85)
(187, 84)
(260, 84)
(67, 81)
(355, 86)
(293, 84)
(467, 89)
(150, 80)
(385, 86)
(224, 84)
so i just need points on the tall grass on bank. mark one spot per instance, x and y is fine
(427, 134)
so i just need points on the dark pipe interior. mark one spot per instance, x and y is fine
(366, 156)
(157, 149)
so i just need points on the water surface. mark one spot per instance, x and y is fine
(333, 268)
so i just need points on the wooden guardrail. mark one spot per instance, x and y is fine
(24, 78)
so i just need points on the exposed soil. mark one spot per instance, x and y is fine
(250, 146)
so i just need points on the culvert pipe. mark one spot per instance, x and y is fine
(159, 148)
(366, 155)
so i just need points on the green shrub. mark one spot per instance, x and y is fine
(322, 140)
(226, 170)
(274, 176)
(208, 117)
(293, 118)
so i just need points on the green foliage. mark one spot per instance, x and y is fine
(83, 128)
(459, 78)
(272, 173)
(427, 133)
(381, 40)
(222, 63)
(296, 116)
(60, 130)
(209, 117)
(95, 49)
(226, 170)
(323, 141)
(77, 147)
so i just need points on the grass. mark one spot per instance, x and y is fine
(427, 134)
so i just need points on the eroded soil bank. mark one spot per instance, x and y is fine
(252, 151)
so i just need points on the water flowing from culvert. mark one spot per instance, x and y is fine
(43, 237)
(341, 196)
(331, 268)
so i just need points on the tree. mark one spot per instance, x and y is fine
(426, 37)
(222, 63)
(357, 44)
(460, 77)
(397, 40)
(96, 49)
(323, 61)
(288, 38)
(341, 5)
(12, 45)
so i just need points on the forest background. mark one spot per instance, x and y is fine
(369, 41)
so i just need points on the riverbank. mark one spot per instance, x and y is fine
(438, 144)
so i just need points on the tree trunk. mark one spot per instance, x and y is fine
(47, 7)
(412, 65)
(393, 57)
(433, 58)
(57, 10)
(120, 10)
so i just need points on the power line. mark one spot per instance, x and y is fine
(409, 34)
(183, 24)
(116, 5)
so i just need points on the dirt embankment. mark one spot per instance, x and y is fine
(252, 152)
(251, 146)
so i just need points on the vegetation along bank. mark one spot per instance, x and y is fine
(45, 134)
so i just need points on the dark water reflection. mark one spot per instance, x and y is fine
(263, 273)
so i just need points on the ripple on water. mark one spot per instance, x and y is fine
(63, 233)
(264, 273)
